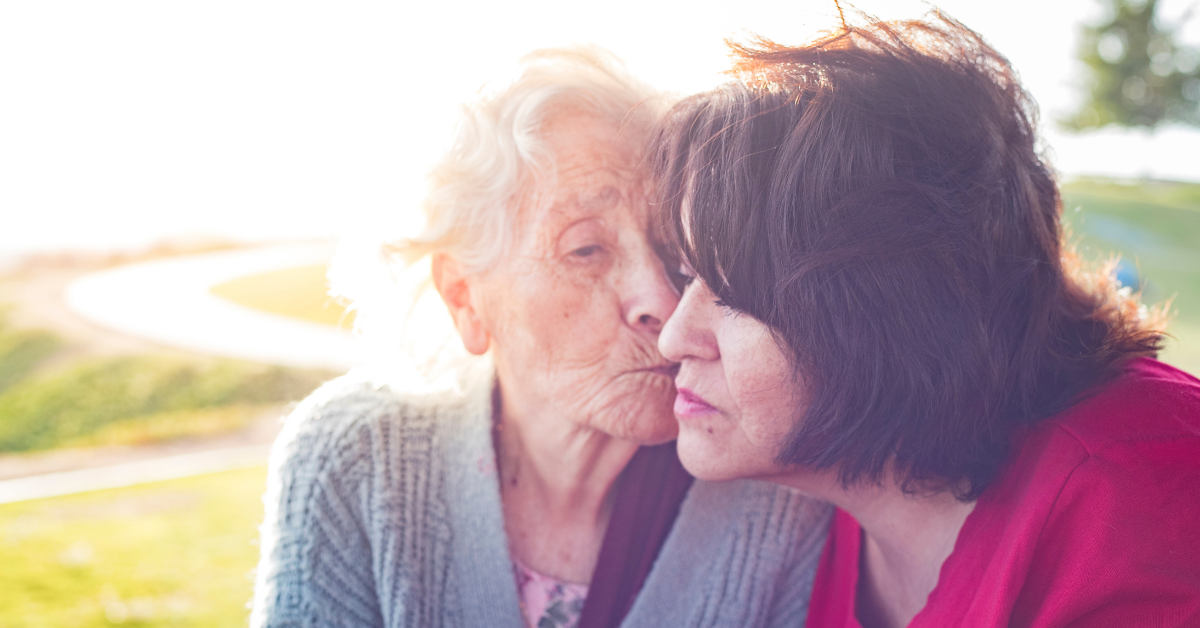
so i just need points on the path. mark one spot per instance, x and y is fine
(168, 301)
(57, 472)
(132, 473)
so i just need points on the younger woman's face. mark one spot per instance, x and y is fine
(737, 398)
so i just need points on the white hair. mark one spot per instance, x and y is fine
(499, 149)
(499, 154)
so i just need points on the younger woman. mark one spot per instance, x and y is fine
(883, 315)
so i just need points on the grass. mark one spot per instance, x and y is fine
(293, 292)
(168, 426)
(130, 399)
(1150, 193)
(177, 553)
(140, 396)
(21, 350)
(1155, 226)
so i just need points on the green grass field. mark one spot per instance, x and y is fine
(22, 350)
(176, 553)
(138, 399)
(1156, 227)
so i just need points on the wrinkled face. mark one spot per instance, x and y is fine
(737, 396)
(575, 310)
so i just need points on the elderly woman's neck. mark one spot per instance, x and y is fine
(556, 487)
(566, 469)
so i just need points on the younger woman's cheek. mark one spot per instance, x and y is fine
(760, 380)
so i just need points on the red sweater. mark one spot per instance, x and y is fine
(1095, 521)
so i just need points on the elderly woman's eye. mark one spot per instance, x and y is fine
(586, 251)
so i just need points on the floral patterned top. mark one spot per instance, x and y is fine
(548, 602)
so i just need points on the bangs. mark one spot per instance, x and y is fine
(715, 166)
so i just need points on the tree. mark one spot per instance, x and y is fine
(1138, 75)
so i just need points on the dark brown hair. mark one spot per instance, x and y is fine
(876, 198)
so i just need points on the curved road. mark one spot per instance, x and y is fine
(168, 301)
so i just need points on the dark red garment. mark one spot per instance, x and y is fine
(648, 495)
(1094, 522)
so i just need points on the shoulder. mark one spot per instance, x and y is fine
(1094, 520)
(1120, 541)
(1114, 480)
(1148, 402)
(356, 481)
(359, 416)
(1132, 432)
(338, 408)
(1130, 447)
(361, 443)
(1138, 472)
(315, 514)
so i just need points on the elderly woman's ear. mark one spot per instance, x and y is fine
(456, 292)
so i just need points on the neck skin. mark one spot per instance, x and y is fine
(906, 540)
(556, 480)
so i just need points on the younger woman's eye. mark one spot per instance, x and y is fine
(727, 309)
(680, 277)
(686, 275)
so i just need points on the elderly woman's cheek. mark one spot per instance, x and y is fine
(580, 313)
(635, 406)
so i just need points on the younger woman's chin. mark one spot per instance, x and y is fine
(717, 457)
(702, 457)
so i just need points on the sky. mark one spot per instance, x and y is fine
(129, 121)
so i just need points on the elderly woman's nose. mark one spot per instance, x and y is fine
(650, 298)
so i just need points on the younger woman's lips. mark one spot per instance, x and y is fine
(689, 404)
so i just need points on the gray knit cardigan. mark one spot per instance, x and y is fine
(383, 509)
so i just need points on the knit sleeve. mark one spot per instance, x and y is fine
(742, 553)
(765, 576)
(789, 608)
(316, 567)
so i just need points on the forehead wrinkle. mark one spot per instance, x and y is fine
(591, 192)
(578, 187)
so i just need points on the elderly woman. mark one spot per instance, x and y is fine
(546, 493)
(883, 315)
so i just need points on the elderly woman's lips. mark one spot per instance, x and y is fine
(689, 404)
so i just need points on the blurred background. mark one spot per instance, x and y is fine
(174, 178)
